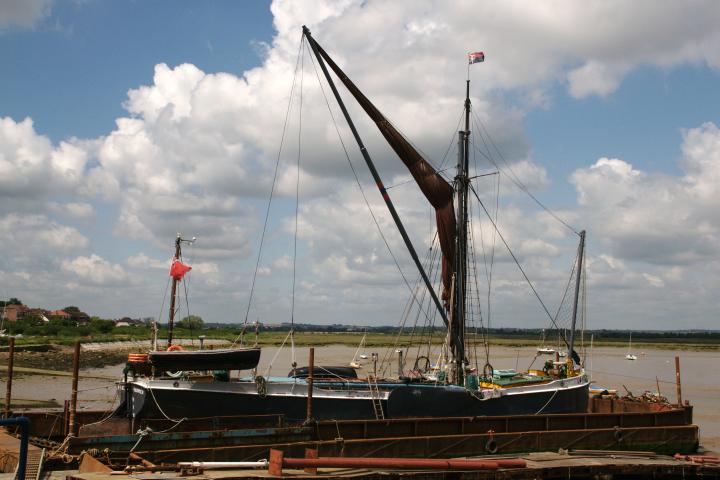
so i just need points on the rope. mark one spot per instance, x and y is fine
(62, 447)
(548, 402)
(267, 372)
(141, 434)
(177, 422)
(96, 388)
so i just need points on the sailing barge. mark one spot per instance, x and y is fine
(561, 387)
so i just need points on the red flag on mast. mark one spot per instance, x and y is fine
(178, 269)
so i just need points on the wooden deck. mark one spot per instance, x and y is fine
(10, 452)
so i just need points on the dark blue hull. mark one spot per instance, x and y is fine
(199, 400)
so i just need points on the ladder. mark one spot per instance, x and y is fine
(375, 396)
(33, 467)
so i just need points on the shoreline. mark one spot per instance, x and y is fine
(41, 345)
(58, 357)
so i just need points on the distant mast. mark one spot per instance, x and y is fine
(581, 253)
(177, 271)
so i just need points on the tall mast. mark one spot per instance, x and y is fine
(581, 254)
(173, 294)
(462, 188)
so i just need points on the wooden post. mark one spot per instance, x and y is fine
(66, 417)
(276, 463)
(11, 362)
(73, 397)
(677, 381)
(400, 363)
(310, 385)
(311, 453)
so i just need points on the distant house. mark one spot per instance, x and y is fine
(59, 314)
(80, 318)
(13, 313)
(129, 322)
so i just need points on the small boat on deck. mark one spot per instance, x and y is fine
(221, 359)
(177, 359)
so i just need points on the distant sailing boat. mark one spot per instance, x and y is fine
(561, 353)
(544, 349)
(355, 363)
(630, 355)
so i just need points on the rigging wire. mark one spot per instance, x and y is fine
(297, 188)
(452, 139)
(488, 268)
(186, 288)
(494, 243)
(272, 191)
(411, 180)
(516, 180)
(297, 208)
(584, 309)
(512, 176)
(486, 343)
(512, 254)
(433, 272)
(162, 306)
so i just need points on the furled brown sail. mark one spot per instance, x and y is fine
(437, 191)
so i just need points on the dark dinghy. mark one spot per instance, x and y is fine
(221, 359)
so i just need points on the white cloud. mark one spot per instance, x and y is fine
(142, 261)
(32, 169)
(657, 218)
(595, 78)
(26, 236)
(95, 270)
(72, 209)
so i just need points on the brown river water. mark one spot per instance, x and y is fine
(700, 374)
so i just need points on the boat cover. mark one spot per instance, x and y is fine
(220, 359)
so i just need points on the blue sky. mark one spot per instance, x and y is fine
(150, 118)
(71, 72)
